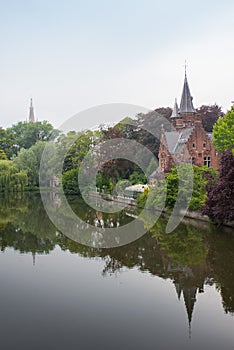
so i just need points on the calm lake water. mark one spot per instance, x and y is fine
(163, 291)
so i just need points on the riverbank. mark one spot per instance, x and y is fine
(133, 203)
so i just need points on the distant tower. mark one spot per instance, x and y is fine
(31, 112)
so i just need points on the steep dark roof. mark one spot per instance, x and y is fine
(186, 104)
(175, 112)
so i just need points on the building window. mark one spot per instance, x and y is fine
(204, 145)
(193, 160)
(194, 145)
(207, 161)
(189, 123)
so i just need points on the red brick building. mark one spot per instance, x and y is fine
(189, 140)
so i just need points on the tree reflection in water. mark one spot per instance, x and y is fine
(194, 255)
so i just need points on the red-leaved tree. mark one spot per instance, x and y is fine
(219, 205)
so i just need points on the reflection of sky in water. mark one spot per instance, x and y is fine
(138, 296)
(64, 301)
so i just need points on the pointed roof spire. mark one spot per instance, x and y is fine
(34, 258)
(178, 290)
(31, 112)
(189, 295)
(186, 104)
(175, 112)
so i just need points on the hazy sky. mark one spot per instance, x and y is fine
(72, 55)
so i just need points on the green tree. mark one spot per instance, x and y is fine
(11, 179)
(3, 155)
(210, 115)
(73, 147)
(165, 193)
(137, 178)
(223, 132)
(7, 142)
(29, 161)
(27, 134)
(70, 182)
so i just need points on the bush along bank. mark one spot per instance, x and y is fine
(165, 192)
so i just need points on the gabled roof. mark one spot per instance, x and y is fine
(176, 140)
(171, 139)
(186, 104)
(175, 112)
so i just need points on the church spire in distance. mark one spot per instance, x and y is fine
(186, 104)
(31, 112)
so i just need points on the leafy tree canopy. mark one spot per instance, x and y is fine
(27, 134)
(210, 115)
(29, 161)
(223, 132)
(7, 142)
(10, 177)
(219, 205)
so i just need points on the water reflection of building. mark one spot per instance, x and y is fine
(188, 282)
(30, 231)
(189, 296)
(149, 257)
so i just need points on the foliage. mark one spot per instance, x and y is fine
(153, 165)
(185, 245)
(114, 169)
(3, 155)
(10, 178)
(219, 205)
(164, 111)
(137, 178)
(7, 142)
(200, 181)
(165, 192)
(104, 184)
(27, 134)
(74, 147)
(210, 115)
(223, 132)
(29, 161)
(141, 199)
(70, 182)
(121, 185)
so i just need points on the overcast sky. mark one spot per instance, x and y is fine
(72, 55)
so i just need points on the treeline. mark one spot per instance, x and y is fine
(22, 146)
